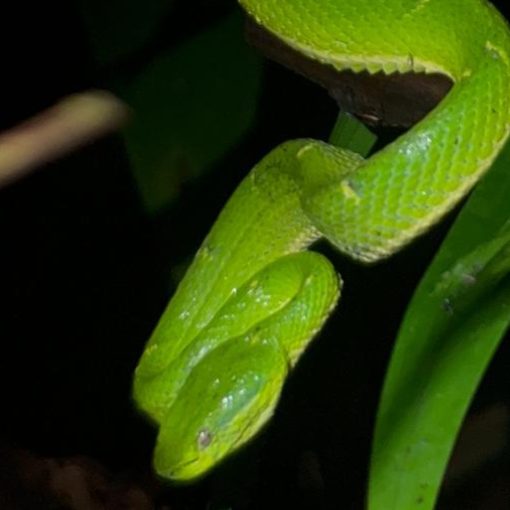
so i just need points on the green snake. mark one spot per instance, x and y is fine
(254, 297)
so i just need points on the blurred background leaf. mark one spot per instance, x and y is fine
(191, 105)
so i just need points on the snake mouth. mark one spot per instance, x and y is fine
(183, 471)
(386, 100)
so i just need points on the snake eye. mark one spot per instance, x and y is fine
(204, 439)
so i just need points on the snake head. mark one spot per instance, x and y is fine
(227, 397)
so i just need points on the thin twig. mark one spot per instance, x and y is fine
(74, 121)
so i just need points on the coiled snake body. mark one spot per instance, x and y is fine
(253, 297)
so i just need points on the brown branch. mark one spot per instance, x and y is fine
(73, 122)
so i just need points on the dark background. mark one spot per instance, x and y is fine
(84, 274)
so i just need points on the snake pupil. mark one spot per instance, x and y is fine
(204, 438)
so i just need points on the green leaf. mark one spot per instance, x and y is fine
(191, 106)
(350, 133)
(452, 327)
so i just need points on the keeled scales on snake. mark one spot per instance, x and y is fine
(253, 298)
